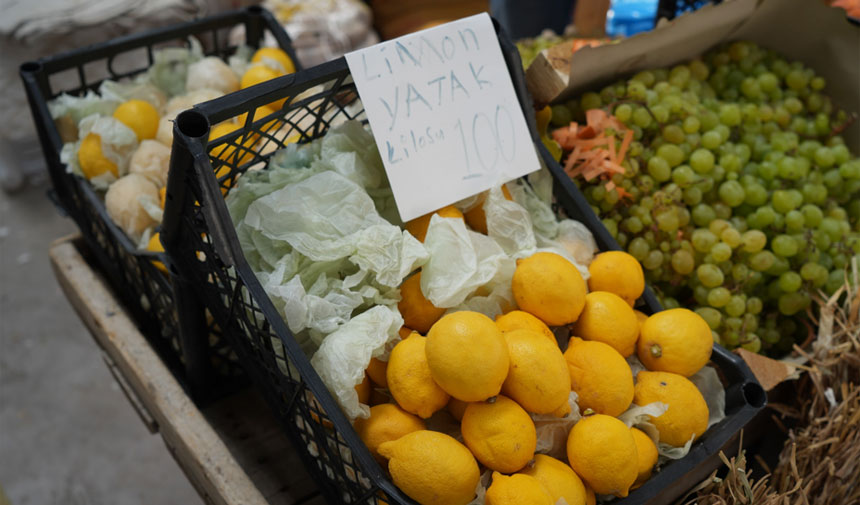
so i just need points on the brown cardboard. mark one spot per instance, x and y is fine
(806, 30)
(769, 372)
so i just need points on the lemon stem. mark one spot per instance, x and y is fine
(656, 350)
(588, 412)
(492, 399)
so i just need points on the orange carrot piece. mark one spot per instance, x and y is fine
(625, 144)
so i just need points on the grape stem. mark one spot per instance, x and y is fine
(836, 130)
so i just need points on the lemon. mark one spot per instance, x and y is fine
(476, 218)
(418, 226)
(227, 151)
(538, 378)
(602, 451)
(521, 320)
(550, 287)
(140, 116)
(675, 340)
(363, 390)
(609, 319)
(647, 452)
(518, 489)
(261, 73)
(162, 196)
(417, 311)
(387, 422)
(277, 54)
(376, 371)
(501, 435)
(260, 113)
(558, 479)
(600, 376)
(687, 416)
(617, 272)
(457, 408)
(467, 355)
(409, 378)
(91, 158)
(154, 245)
(641, 317)
(432, 468)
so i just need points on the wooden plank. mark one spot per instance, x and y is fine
(233, 453)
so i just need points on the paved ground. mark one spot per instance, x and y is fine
(67, 434)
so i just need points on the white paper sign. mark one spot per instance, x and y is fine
(444, 114)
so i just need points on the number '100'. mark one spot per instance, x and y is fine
(496, 137)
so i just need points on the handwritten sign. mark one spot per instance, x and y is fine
(444, 114)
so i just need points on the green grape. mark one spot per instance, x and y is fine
(638, 248)
(682, 262)
(768, 82)
(732, 193)
(751, 343)
(721, 251)
(840, 152)
(753, 241)
(711, 139)
(762, 261)
(719, 297)
(717, 226)
(796, 80)
(561, 116)
(782, 201)
(590, 100)
(703, 214)
(784, 245)
(703, 239)
(755, 194)
(653, 260)
(668, 221)
(641, 117)
(790, 282)
(754, 305)
(711, 316)
(722, 210)
(792, 303)
(812, 215)
(659, 169)
(702, 160)
(740, 272)
(780, 265)
(691, 124)
(632, 224)
(730, 115)
(672, 154)
(731, 236)
(623, 112)
(709, 275)
(610, 225)
(736, 306)
(673, 133)
(835, 280)
(832, 228)
(683, 175)
(824, 157)
(794, 221)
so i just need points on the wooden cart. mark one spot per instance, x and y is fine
(232, 451)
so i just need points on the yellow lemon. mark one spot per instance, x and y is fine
(538, 378)
(418, 226)
(468, 356)
(277, 54)
(675, 340)
(558, 479)
(387, 422)
(521, 320)
(500, 434)
(376, 370)
(476, 218)
(641, 317)
(432, 468)
(409, 378)
(602, 451)
(617, 272)
(227, 151)
(260, 113)
(154, 245)
(162, 196)
(363, 390)
(609, 319)
(140, 116)
(405, 331)
(600, 376)
(518, 489)
(417, 311)
(687, 416)
(549, 287)
(91, 158)
(261, 73)
(457, 408)
(647, 452)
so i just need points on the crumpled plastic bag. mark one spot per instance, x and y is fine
(118, 142)
(460, 261)
(137, 89)
(552, 431)
(350, 150)
(344, 354)
(509, 224)
(79, 107)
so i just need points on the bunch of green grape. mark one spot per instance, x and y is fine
(530, 48)
(742, 202)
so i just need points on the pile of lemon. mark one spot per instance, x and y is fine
(492, 376)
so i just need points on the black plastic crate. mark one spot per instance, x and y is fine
(332, 451)
(206, 365)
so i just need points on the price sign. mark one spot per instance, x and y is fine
(444, 114)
